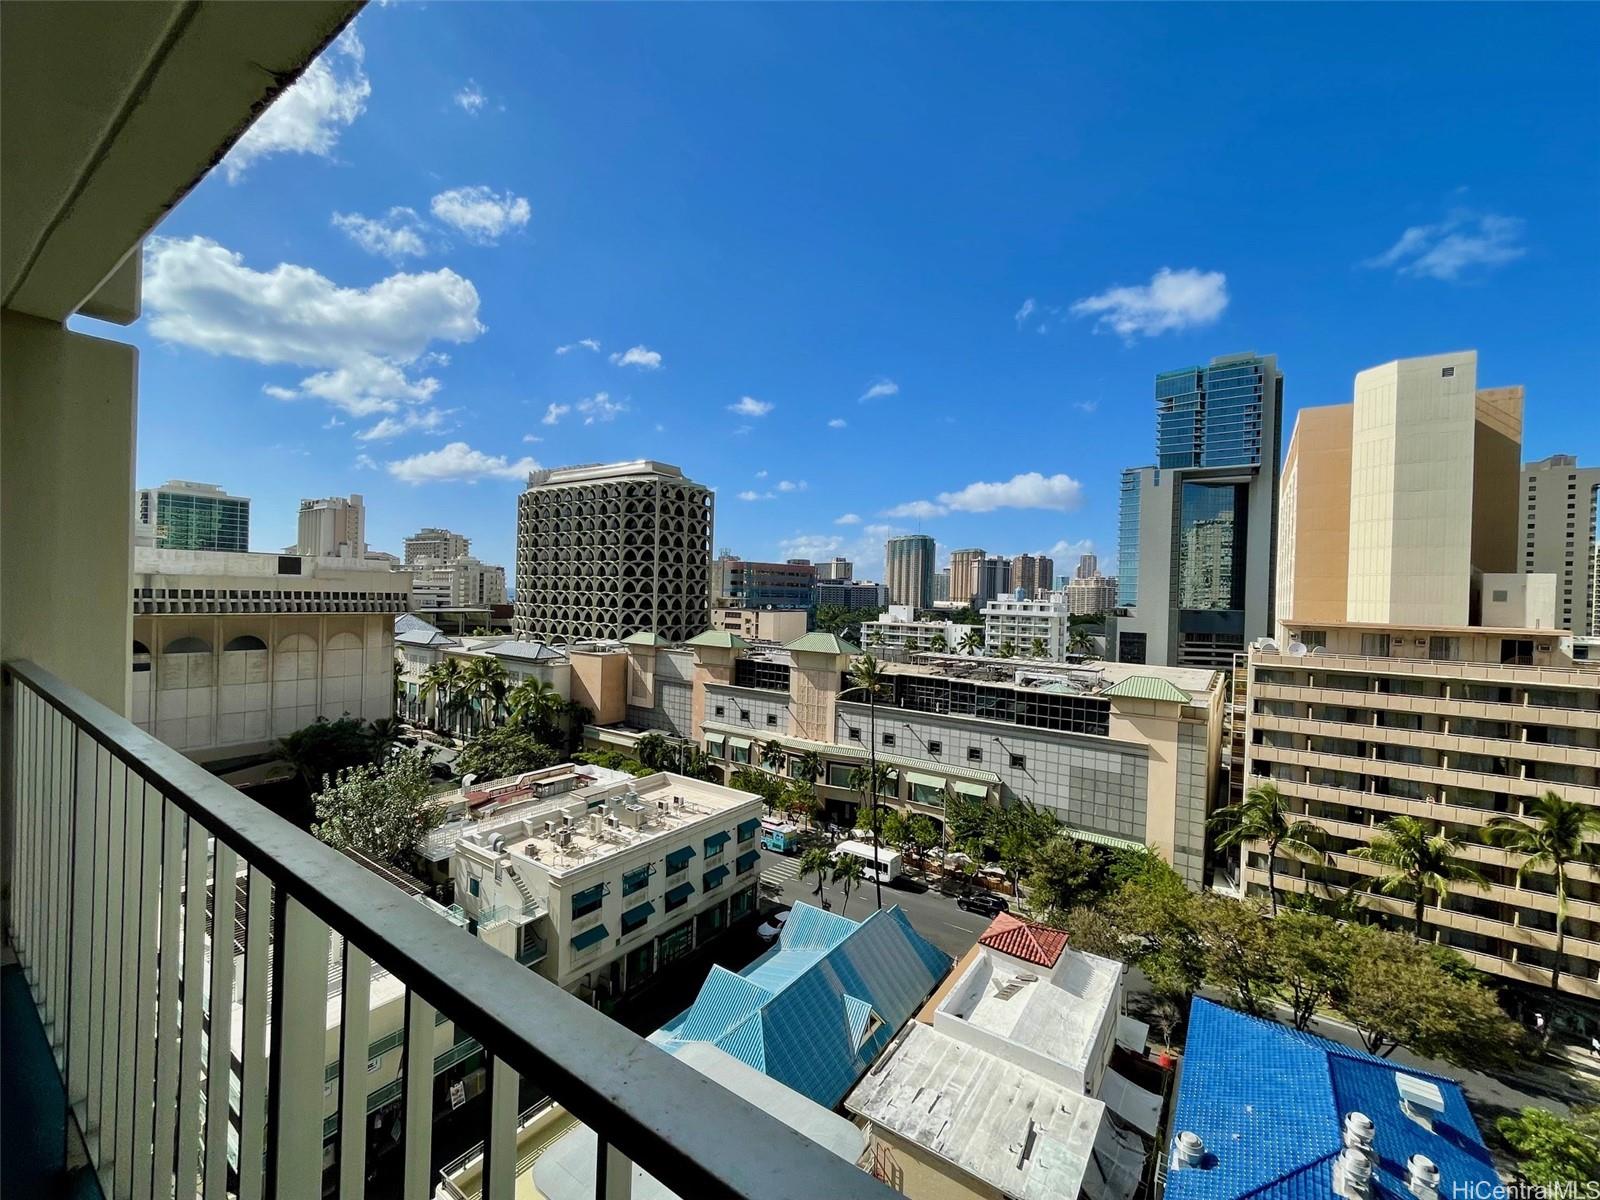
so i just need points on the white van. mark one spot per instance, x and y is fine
(883, 865)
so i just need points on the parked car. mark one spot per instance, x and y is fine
(986, 903)
(773, 925)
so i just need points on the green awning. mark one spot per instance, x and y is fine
(714, 877)
(918, 779)
(976, 791)
(682, 892)
(745, 861)
(638, 913)
(717, 841)
(747, 829)
(589, 937)
(714, 739)
(739, 743)
(679, 859)
(1103, 839)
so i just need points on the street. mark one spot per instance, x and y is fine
(933, 915)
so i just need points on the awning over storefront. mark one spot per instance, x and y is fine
(589, 937)
(682, 892)
(919, 779)
(975, 791)
(745, 861)
(679, 859)
(714, 877)
(717, 841)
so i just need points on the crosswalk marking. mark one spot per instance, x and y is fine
(781, 871)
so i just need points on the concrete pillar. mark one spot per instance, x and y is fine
(68, 405)
(814, 693)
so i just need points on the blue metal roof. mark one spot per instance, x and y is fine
(802, 1013)
(1269, 1103)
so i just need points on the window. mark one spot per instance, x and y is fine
(721, 710)
(472, 887)
(588, 900)
(636, 879)
(1375, 645)
(935, 747)
(855, 733)
(974, 754)
(1444, 648)
(839, 775)
(888, 739)
(1516, 651)
(1019, 762)
(1313, 639)
(772, 718)
(1447, 372)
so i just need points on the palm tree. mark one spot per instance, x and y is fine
(972, 640)
(385, 733)
(1418, 862)
(1036, 648)
(1008, 649)
(772, 755)
(443, 681)
(1551, 843)
(816, 861)
(868, 675)
(1264, 816)
(1079, 642)
(807, 766)
(847, 870)
(651, 750)
(912, 645)
(533, 703)
(484, 683)
(938, 644)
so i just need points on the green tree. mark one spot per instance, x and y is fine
(1264, 816)
(893, 827)
(816, 861)
(1311, 958)
(1080, 642)
(1092, 931)
(443, 684)
(1558, 837)
(1417, 862)
(382, 812)
(1008, 649)
(1553, 1150)
(485, 683)
(806, 765)
(502, 751)
(799, 800)
(919, 836)
(535, 704)
(968, 820)
(1063, 873)
(773, 755)
(1017, 831)
(1037, 649)
(847, 872)
(1154, 912)
(384, 736)
(867, 675)
(749, 779)
(938, 643)
(972, 640)
(1237, 941)
(324, 748)
(653, 750)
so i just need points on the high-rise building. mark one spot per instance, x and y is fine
(437, 545)
(1029, 627)
(993, 575)
(1559, 505)
(1368, 706)
(852, 594)
(964, 574)
(464, 583)
(1197, 532)
(738, 583)
(181, 515)
(1031, 573)
(608, 551)
(836, 570)
(941, 586)
(908, 569)
(1088, 567)
(1091, 596)
(333, 528)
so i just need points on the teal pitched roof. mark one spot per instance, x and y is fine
(802, 1013)
(1148, 687)
(645, 637)
(818, 642)
(719, 639)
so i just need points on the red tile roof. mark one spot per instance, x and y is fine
(1027, 940)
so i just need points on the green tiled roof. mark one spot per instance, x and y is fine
(818, 642)
(645, 637)
(1148, 687)
(719, 639)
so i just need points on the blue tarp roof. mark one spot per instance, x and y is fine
(799, 1013)
(1269, 1103)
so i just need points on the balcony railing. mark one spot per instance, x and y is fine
(124, 855)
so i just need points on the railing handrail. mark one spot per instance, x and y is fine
(667, 1117)
(1585, 674)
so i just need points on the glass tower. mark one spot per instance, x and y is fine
(1211, 416)
(1128, 541)
(195, 516)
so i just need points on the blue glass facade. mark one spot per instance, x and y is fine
(1211, 416)
(1128, 541)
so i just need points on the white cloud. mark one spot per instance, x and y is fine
(1086, 406)
(837, 423)
(480, 215)
(749, 406)
(555, 412)
(580, 344)
(415, 420)
(1026, 311)
(368, 343)
(1462, 241)
(364, 462)
(471, 98)
(1067, 553)
(532, 437)
(847, 519)
(789, 485)
(880, 387)
(761, 474)
(638, 356)
(458, 462)
(753, 495)
(1030, 490)
(309, 115)
(332, 423)
(396, 235)
(1172, 300)
(600, 407)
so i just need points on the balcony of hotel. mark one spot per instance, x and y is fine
(143, 1055)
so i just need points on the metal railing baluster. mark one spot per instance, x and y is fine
(147, 931)
(500, 1147)
(353, 1039)
(168, 1030)
(299, 1047)
(418, 1128)
(186, 1170)
(219, 1020)
(132, 791)
(253, 1081)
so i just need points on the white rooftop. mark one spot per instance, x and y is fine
(1019, 1132)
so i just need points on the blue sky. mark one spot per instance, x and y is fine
(863, 269)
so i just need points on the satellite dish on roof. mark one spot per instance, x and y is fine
(1298, 650)
(1266, 645)
(1319, 650)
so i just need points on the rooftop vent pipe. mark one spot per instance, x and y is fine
(1422, 1177)
(1190, 1150)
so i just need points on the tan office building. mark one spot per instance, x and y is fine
(1560, 502)
(1424, 678)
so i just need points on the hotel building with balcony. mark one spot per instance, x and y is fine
(1425, 678)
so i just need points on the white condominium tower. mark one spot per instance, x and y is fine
(908, 569)
(333, 528)
(437, 545)
(605, 551)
